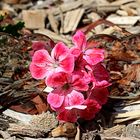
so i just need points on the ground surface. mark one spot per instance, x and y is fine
(119, 36)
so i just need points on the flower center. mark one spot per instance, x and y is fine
(66, 86)
(56, 64)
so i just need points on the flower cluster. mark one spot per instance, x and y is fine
(77, 77)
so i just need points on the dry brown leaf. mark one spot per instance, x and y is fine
(120, 52)
(132, 73)
(65, 129)
(40, 104)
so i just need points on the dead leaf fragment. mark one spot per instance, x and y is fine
(65, 129)
(40, 104)
(132, 73)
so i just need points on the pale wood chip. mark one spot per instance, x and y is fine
(12, 138)
(72, 20)
(65, 7)
(53, 35)
(122, 120)
(120, 2)
(24, 118)
(34, 19)
(77, 137)
(94, 17)
(5, 134)
(113, 130)
(53, 22)
(128, 114)
(25, 130)
(127, 20)
(131, 5)
(59, 138)
(107, 7)
(110, 30)
(118, 138)
(37, 127)
(122, 13)
(102, 2)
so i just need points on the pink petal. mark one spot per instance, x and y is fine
(42, 58)
(79, 40)
(62, 107)
(75, 98)
(56, 79)
(79, 83)
(100, 73)
(92, 108)
(81, 107)
(60, 51)
(80, 63)
(75, 51)
(67, 64)
(100, 95)
(102, 84)
(87, 77)
(94, 56)
(68, 116)
(62, 90)
(55, 100)
(38, 72)
(100, 76)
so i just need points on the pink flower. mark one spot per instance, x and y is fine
(87, 111)
(68, 116)
(100, 95)
(93, 107)
(80, 63)
(70, 101)
(75, 100)
(78, 79)
(91, 55)
(74, 104)
(65, 83)
(100, 76)
(43, 65)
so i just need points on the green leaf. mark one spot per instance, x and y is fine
(12, 29)
(1, 17)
